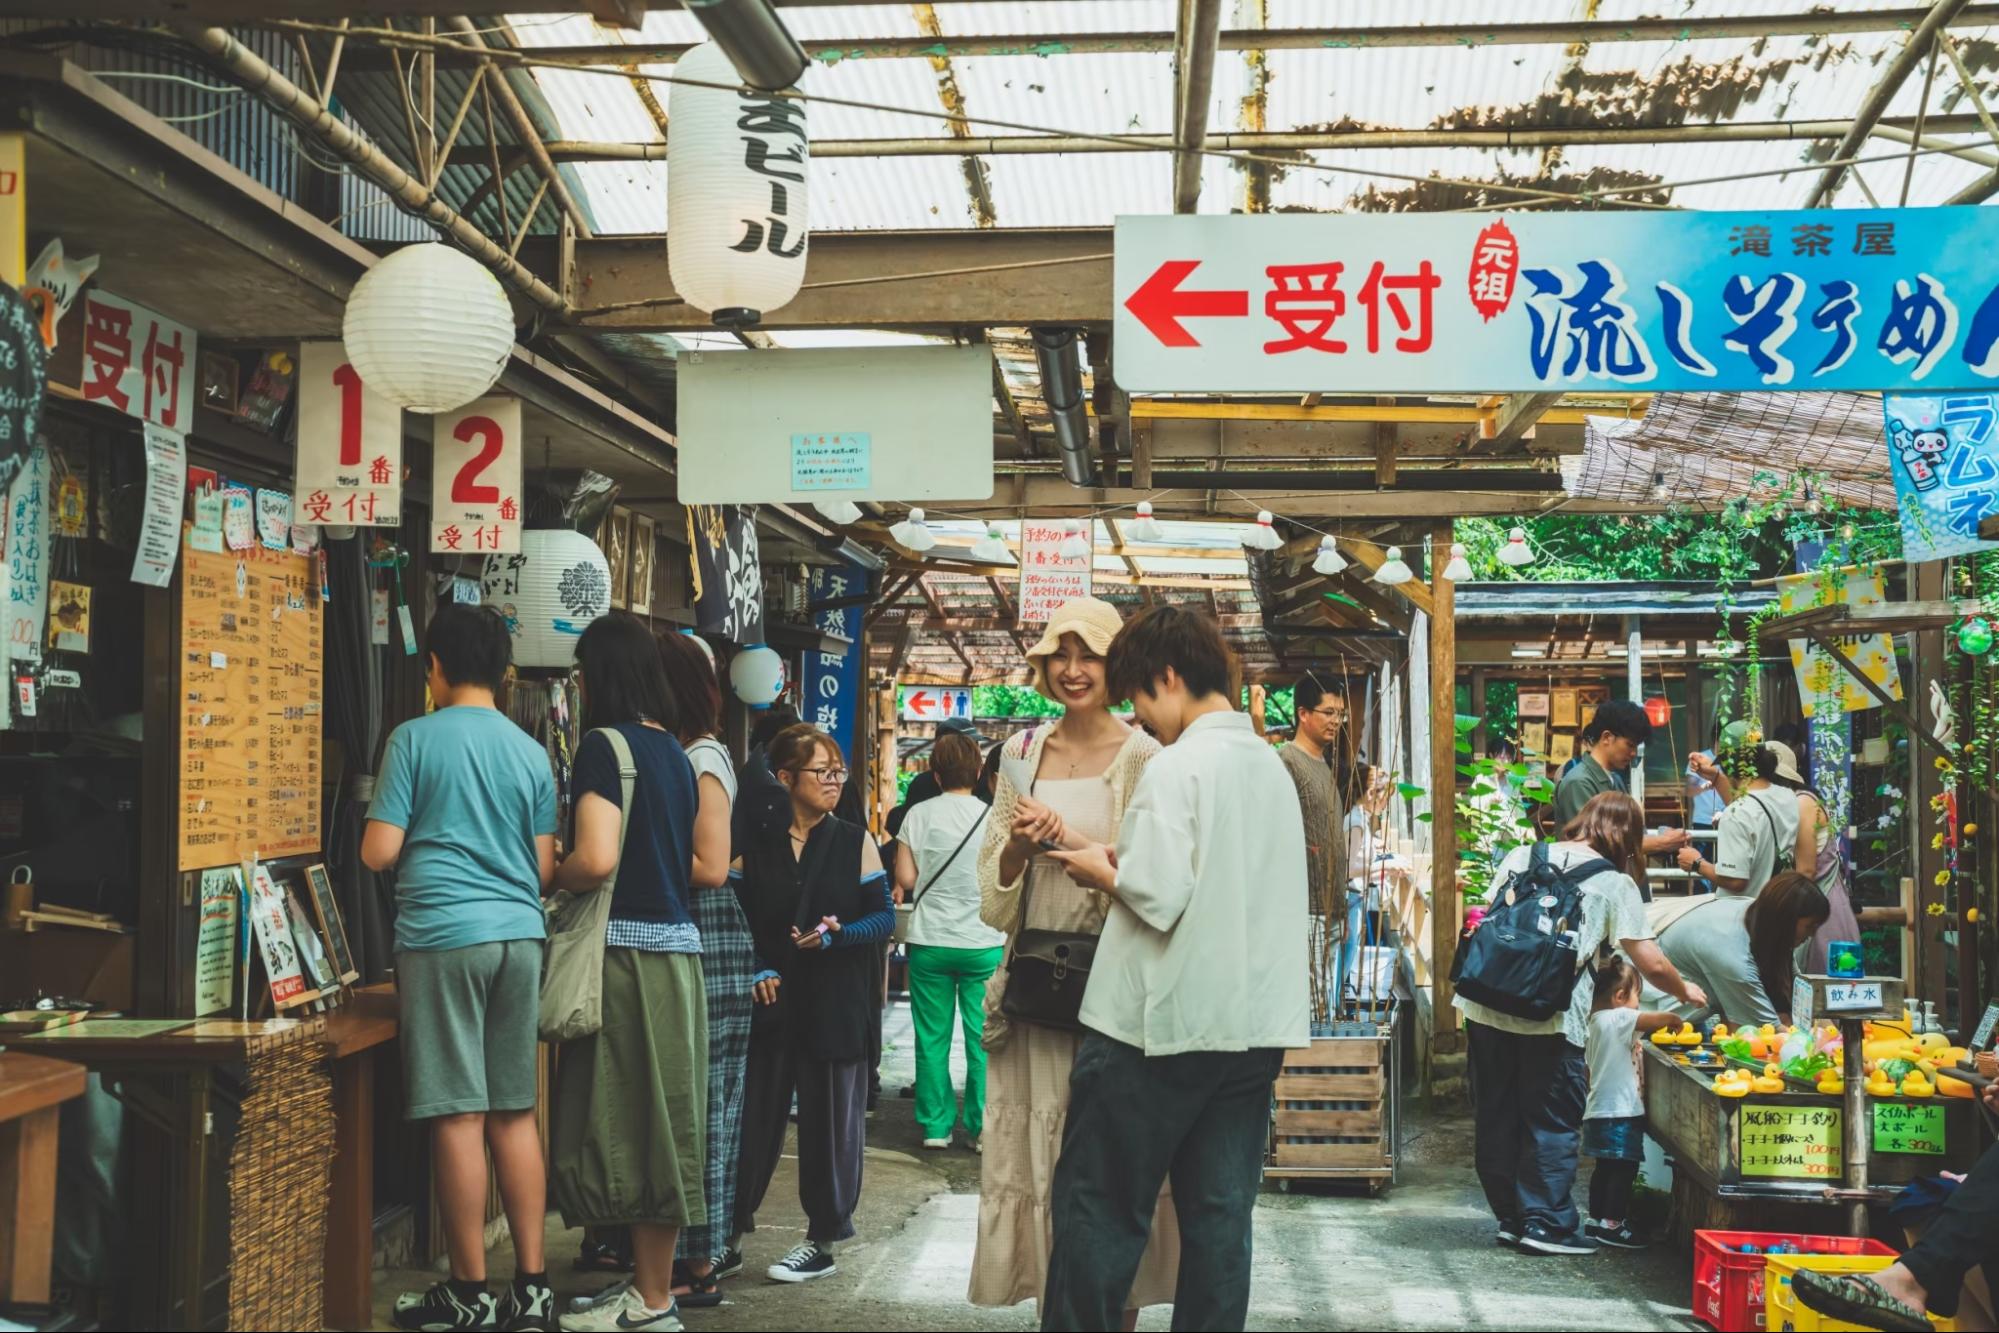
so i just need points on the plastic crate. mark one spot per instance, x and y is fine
(1728, 1284)
(1786, 1312)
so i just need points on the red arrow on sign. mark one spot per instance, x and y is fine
(919, 702)
(1160, 303)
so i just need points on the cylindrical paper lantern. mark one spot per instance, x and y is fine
(736, 167)
(756, 674)
(556, 586)
(428, 327)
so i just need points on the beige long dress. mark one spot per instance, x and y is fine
(1027, 1077)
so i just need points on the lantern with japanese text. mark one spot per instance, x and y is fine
(549, 592)
(428, 328)
(756, 674)
(735, 192)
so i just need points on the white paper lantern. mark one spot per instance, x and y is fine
(736, 168)
(841, 512)
(549, 593)
(1516, 552)
(991, 548)
(1145, 528)
(1459, 568)
(429, 328)
(1263, 537)
(1329, 560)
(913, 533)
(756, 674)
(1394, 569)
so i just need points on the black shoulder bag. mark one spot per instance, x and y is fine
(1047, 970)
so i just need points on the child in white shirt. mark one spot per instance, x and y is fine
(1614, 1118)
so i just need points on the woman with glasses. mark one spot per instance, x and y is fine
(818, 905)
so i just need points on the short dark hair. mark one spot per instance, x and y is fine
(1619, 717)
(622, 679)
(956, 760)
(690, 678)
(1613, 979)
(798, 745)
(1165, 636)
(1310, 692)
(471, 645)
(775, 719)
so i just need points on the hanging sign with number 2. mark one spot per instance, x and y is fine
(475, 479)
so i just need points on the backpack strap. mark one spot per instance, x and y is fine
(628, 779)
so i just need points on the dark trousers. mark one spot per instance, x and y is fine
(1964, 1236)
(1203, 1119)
(1610, 1188)
(832, 1124)
(1527, 1095)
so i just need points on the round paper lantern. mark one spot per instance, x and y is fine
(556, 586)
(1658, 711)
(736, 166)
(756, 674)
(428, 327)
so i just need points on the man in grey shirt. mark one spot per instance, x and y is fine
(1614, 735)
(1321, 714)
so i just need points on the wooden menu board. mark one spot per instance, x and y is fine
(252, 659)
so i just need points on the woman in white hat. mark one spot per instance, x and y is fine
(1066, 784)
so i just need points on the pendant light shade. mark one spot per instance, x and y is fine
(1516, 552)
(561, 583)
(913, 533)
(756, 674)
(1145, 528)
(840, 512)
(1459, 568)
(736, 173)
(1329, 560)
(428, 328)
(1263, 537)
(991, 548)
(1075, 546)
(1393, 570)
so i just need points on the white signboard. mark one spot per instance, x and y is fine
(475, 479)
(835, 423)
(1047, 577)
(350, 445)
(274, 938)
(138, 362)
(1848, 997)
(934, 703)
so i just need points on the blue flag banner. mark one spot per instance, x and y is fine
(830, 697)
(1945, 455)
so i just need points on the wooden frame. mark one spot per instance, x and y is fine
(617, 553)
(332, 929)
(644, 542)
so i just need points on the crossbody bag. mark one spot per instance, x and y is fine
(906, 912)
(1046, 970)
(572, 971)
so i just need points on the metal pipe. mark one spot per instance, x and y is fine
(291, 101)
(530, 137)
(1509, 480)
(1883, 92)
(1194, 80)
(1057, 355)
(765, 54)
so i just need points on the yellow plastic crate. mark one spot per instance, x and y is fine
(1785, 1312)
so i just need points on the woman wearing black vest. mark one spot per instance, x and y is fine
(818, 906)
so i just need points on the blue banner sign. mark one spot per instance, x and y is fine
(831, 693)
(1945, 456)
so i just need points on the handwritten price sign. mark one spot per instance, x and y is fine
(1911, 1129)
(1790, 1142)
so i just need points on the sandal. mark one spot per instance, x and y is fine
(596, 1257)
(697, 1293)
(1855, 1298)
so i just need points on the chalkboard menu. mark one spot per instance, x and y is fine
(250, 671)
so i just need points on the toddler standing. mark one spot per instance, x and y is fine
(1614, 1118)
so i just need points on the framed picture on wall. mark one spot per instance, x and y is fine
(1563, 709)
(1561, 749)
(1534, 738)
(643, 540)
(618, 551)
(1533, 703)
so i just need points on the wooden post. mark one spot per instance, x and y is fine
(1926, 663)
(1445, 908)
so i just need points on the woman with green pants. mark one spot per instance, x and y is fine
(951, 951)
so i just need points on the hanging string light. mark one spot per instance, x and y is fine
(991, 548)
(1459, 567)
(1329, 560)
(1144, 528)
(1516, 552)
(1074, 545)
(1263, 537)
(840, 512)
(1393, 570)
(913, 533)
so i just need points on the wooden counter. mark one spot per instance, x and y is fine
(32, 1090)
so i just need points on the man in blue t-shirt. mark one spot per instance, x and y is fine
(464, 810)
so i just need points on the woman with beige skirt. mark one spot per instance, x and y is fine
(1066, 783)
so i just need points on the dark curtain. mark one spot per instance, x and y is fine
(354, 722)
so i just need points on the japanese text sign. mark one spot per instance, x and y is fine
(1358, 303)
(1822, 679)
(1900, 1127)
(830, 697)
(1047, 577)
(934, 703)
(350, 445)
(1790, 1142)
(1853, 997)
(1944, 453)
(475, 479)
(138, 362)
(831, 461)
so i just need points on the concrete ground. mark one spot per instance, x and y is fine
(1418, 1257)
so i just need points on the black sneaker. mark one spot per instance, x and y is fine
(1507, 1235)
(729, 1265)
(527, 1306)
(1620, 1236)
(1540, 1240)
(804, 1263)
(442, 1308)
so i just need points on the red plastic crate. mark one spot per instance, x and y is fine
(1728, 1284)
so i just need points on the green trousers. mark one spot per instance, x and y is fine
(942, 980)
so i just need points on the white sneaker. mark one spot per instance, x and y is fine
(979, 1146)
(603, 1297)
(626, 1313)
(935, 1144)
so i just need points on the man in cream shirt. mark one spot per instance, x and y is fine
(1198, 988)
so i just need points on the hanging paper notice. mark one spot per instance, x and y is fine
(28, 550)
(1047, 577)
(239, 519)
(69, 617)
(274, 938)
(832, 461)
(1822, 680)
(1790, 1142)
(1944, 453)
(274, 520)
(1899, 1127)
(475, 495)
(215, 942)
(206, 534)
(350, 444)
(159, 531)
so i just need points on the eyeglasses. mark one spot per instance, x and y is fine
(1329, 714)
(830, 776)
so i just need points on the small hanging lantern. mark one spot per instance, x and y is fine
(991, 548)
(1329, 560)
(1074, 545)
(1393, 570)
(838, 512)
(735, 192)
(561, 584)
(1516, 552)
(1658, 710)
(1145, 528)
(1459, 568)
(1263, 537)
(428, 328)
(756, 674)
(913, 533)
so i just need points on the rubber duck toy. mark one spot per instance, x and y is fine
(1831, 1084)
(1731, 1083)
(1687, 1036)
(1663, 1037)
(1770, 1080)
(1916, 1085)
(1720, 1033)
(1880, 1085)
(1768, 1030)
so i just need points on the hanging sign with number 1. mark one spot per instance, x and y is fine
(350, 445)
(475, 479)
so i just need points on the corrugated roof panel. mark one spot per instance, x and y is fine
(910, 84)
(1096, 94)
(1057, 16)
(1079, 189)
(854, 193)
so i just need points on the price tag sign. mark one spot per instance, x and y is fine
(1846, 997)
(1801, 1000)
(350, 445)
(1789, 1142)
(475, 479)
(1899, 1127)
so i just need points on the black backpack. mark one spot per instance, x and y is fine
(1521, 959)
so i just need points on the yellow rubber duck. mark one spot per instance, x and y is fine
(1720, 1032)
(1880, 1085)
(1731, 1083)
(1686, 1036)
(1915, 1085)
(1766, 1083)
(1832, 1085)
(1768, 1030)
(1663, 1037)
